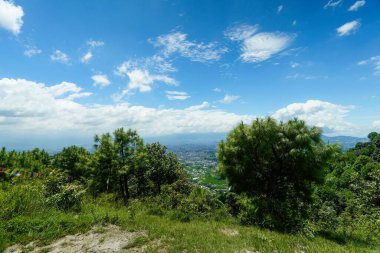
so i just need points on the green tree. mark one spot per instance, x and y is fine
(73, 160)
(275, 164)
(163, 167)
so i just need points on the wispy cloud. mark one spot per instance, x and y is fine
(348, 28)
(333, 4)
(92, 44)
(177, 95)
(258, 47)
(11, 16)
(86, 57)
(204, 105)
(32, 51)
(357, 5)
(228, 99)
(374, 61)
(100, 80)
(178, 43)
(59, 56)
(279, 8)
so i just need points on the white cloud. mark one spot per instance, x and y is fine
(204, 105)
(348, 28)
(333, 3)
(177, 42)
(32, 51)
(241, 32)
(100, 80)
(11, 16)
(302, 76)
(294, 64)
(144, 73)
(177, 95)
(30, 107)
(95, 43)
(374, 61)
(357, 5)
(217, 90)
(87, 57)
(228, 99)
(63, 88)
(280, 8)
(331, 117)
(258, 47)
(79, 95)
(142, 80)
(27, 107)
(154, 63)
(60, 56)
(92, 45)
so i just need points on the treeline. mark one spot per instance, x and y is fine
(281, 176)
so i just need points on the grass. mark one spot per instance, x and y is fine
(174, 236)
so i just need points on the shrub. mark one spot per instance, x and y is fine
(61, 194)
(22, 197)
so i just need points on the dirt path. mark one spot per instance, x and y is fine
(109, 238)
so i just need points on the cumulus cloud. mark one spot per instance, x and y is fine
(328, 116)
(333, 4)
(258, 47)
(144, 73)
(100, 80)
(228, 99)
(357, 5)
(32, 51)
(177, 43)
(30, 107)
(348, 28)
(11, 16)
(374, 61)
(59, 56)
(177, 95)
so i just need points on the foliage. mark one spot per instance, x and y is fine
(74, 161)
(348, 203)
(35, 160)
(275, 164)
(62, 194)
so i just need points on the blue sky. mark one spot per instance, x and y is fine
(76, 68)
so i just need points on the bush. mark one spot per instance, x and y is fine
(201, 203)
(61, 194)
(20, 198)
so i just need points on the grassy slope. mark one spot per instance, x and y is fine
(176, 236)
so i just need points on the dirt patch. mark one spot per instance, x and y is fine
(230, 232)
(100, 239)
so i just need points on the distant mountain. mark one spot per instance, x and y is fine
(175, 141)
(346, 142)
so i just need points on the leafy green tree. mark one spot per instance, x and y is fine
(73, 160)
(163, 167)
(131, 157)
(104, 165)
(276, 165)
